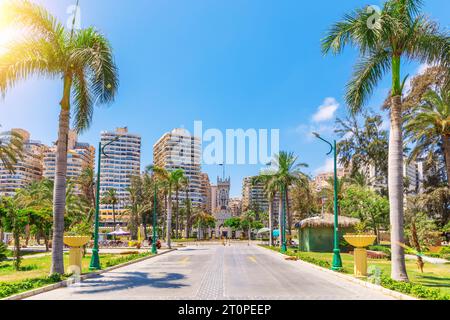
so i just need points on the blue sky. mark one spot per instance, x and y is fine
(229, 63)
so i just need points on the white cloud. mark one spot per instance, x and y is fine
(326, 111)
(327, 167)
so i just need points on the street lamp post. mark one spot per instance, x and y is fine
(337, 261)
(95, 259)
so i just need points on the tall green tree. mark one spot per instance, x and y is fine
(365, 204)
(363, 144)
(428, 126)
(137, 205)
(83, 59)
(384, 40)
(171, 178)
(285, 171)
(86, 183)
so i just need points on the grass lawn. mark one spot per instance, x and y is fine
(40, 266)
(10, 253)
(435, 276)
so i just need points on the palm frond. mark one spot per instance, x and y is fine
(367, 73)
(428, 44)
(26, 58)
(82, 101)
(93, 52)
(36, 20)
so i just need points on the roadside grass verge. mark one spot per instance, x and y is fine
(433, 284)
(34, 271)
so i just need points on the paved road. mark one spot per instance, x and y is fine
(216, 272)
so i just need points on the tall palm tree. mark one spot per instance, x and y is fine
(400, 32)
(86, 182)
(187, 206)
(136, 205)
(179, 182)
(82, 59)
(202, 220)
(285, 171)
(110, 197)
(171, 178)
(11, 149)
(288, 173)
(428, 125)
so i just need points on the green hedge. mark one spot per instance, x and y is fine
(11, 288)
(124, 259)
(416, 290)
(409, 288)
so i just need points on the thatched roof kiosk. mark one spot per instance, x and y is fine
(317, 235)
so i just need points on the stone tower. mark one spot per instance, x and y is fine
(222, 211)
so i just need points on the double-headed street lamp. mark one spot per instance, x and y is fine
(95, 260)
(337, 261)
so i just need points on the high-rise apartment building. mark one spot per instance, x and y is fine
(79, 157)
(178, 149)
(122, 161)
(413, 173)
(321, 180)
(255, 198)
(27, 169)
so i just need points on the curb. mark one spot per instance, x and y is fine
(392, 293)
(64, 283)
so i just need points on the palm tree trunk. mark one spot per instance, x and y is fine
(395, 185)
(271, 221)
(59, 194)
(446, 152)
(188, 214)
(114, 216)
(169, 220)
(177, 219)
(280, 215)
(288, 213)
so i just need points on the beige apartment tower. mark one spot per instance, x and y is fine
(121, 163)
(178, 149)
(79, 157)
(27, 169)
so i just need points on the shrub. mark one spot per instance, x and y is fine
(416, 290)
(318, 262)
(11, 288)
(124, 259)
(445, 250)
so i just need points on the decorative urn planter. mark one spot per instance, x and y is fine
(75, 252)
(360, 242)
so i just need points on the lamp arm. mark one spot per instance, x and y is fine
(111, 142)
